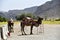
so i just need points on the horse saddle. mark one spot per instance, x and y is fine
(27, 21)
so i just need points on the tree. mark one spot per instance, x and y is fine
(2, 19)
(30, 15)
(20, 17)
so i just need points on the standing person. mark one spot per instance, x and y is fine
(12, 24)
(9, 27)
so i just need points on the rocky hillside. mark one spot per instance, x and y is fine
(50, 9)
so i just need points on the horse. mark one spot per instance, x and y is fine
(30, 22)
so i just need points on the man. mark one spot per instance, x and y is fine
(12, 24)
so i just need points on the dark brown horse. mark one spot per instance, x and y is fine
(30, 22)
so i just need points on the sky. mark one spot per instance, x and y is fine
(6, 5)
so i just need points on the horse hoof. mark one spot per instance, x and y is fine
(31, 33)
(22, 34)
(25, 34)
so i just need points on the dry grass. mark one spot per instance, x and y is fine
(44, 22)
(51, 22)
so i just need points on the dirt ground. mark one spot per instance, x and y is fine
(51, 32)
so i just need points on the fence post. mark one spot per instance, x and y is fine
(4, 34)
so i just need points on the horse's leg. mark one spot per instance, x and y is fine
(22, 28)
(31, 29)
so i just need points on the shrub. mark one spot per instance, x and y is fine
(2, 19)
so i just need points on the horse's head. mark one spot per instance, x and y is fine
(40, 20)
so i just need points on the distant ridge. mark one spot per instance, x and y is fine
(14, 13)
(50, 9)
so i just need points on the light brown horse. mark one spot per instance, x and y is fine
(30, 22)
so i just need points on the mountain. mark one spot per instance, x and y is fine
(14, 13)
(31, 9)
(3, 14)
(50, 9)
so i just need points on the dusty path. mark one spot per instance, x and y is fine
(51, 32)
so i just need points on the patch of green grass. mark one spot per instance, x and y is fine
(2, 23)
(44, 22)
(51, 22)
